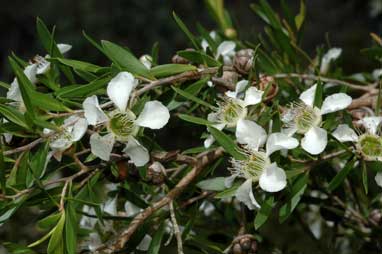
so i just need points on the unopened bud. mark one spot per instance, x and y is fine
(243, 60)
(236, 249)
(177, 59)
(230, 33)
(375, 216)
(230, 77)
(156, 173)
(263, 84)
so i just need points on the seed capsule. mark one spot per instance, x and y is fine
(243, 60)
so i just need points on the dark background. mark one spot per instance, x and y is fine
(139, 23)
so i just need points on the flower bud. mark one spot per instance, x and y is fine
(230, 77)
(263, 84)
(236, 249)
(155, 173)
(243, 60)
(375, 216)
(230, 33)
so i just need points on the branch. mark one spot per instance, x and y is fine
(176, 228)
(203, 160)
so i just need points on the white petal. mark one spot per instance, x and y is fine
(253, 96)
(204, 45)
(145, 243)
(240, 87)
(273, 179)
(308, 96)
(335, 102)
(110, 206)
(228, 181)
(244, 194)
(154, 115)
(315, 140)
(119, 89)
(289, 131)
(371, 123)
(137, 153)
(60, 143)
(14, 92)
(43, 65)
(344, 133)
(278, 141)
(331, 55)
(209, 141)
(226, 47)
(131, 209)
(101, 146)
(8, 137)
(377, 74)
(378, 179)
(79, 129)
(92, 111)
(146, 60)
(250, 133)
(63, 48)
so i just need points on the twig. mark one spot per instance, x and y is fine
(178, 235)
(63, 193)
(203, 160)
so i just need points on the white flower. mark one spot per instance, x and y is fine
(226, 49)
(73, 129)
(257, 166)
(205, 44)
(368, 144)
(330, 56)
(63, 48)
(122, 124)
(147, 61)
(377, 74)
(233, 108)
(306, 119)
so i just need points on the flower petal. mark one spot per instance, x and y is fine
(331, 55)
(225, 48)
(315, 140)
(371, 123)
(273, 179)
(154, 115)
(110, 206)
(344, 133)
(92, 111)
(278, 141)
(209, 141)
(63, 48)
(101, 146)
(308, 96)
(119, 89)
(79, 129)
(137, 153)
(146, 60)
(253, 96)
(378, 179)
(250, 133)
(240, 87)
(335, 102)
(145, 243)
(14, 92)
(244, 194)
(131, 209)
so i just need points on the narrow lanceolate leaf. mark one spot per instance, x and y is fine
(157, 239)
(38, 161)
(299, 19)
(171, 69)
(71, 224)
(264, 212)
(318, 97)
(364, 177)
(340, 177)
(78, 65)
(227, 143)
(2, 167)
(56, 242)
(125, 60)
(298, 189)
(13, 116)
(185, 30)
(198, 57)
(212, 184)
(26, 87)
(194, 119)
(192, 97)
(83, 90)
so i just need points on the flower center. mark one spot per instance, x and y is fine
(370, 146)
(253, 166)
(122, 124)
(230, 112)
(306, 118)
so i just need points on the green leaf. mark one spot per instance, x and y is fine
(13, 248)
(192, 97)
(49, 221)
(227, 143)
(212, 184)
(341, 175)
(165, 70)
(83, 90)
(47, 102)
(13, 116)
(78, 65)
(157, 239)
(185, 30)
(125, 60)
(264, 212)
(71, 224)
(199, 58)
(364, 177)
(56, 242)
(299, 19)
(318, 96)
(38, 161)
(193, 119)
(195, 88)
(228, 193)
(294, 198)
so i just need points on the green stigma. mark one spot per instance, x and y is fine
(230, 112)
(122, 125)
(253, 166)
(306, 118)
(370, 146)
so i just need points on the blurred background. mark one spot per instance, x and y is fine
(140, 23)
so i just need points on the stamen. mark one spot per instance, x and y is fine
(229, 112)
(370, 147)
(252, 166)
(122, 124)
